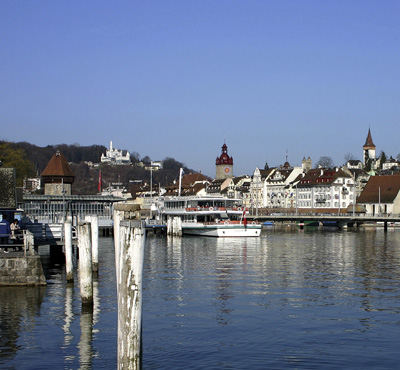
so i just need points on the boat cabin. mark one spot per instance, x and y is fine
(202, 209)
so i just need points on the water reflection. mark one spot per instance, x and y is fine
(69, 314)
(291, 298)
(18, 307)
(85, 342)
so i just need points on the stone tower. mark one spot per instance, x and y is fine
(224, 165)
(369, 149)
(57, 176)
(306, 164)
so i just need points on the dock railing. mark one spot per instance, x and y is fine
(24, 242)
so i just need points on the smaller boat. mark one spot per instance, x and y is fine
(307, 223)
(330, 223)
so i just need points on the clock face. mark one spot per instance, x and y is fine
(227, 169)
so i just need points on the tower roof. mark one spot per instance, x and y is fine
(224, 158)
(368, 142)
(58, 167)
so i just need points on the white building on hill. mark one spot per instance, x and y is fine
(116, 156)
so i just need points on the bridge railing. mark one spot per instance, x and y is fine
(334, 214)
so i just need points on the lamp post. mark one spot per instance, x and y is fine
(151, 191)
(257, 196)
(150, 168)
(379, 200)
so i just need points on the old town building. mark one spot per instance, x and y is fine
(57, 176)
(224, 165)
(325, 189)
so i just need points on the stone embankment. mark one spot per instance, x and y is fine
(17, 270)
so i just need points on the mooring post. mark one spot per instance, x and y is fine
(95, 242)
(169, 226)
(129, 241)
(69, 265)
(85, 263)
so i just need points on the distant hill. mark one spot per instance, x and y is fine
(86, 177)
(73, 153)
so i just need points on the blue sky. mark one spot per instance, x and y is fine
(178, 78)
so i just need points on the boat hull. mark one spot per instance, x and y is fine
(222, 230)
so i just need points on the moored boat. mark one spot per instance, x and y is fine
(209, 216)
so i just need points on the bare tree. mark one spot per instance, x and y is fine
(348, 157)
(325, 162)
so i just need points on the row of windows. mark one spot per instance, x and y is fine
(321, 205)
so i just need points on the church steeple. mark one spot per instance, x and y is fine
(369, 148)
(368, 142)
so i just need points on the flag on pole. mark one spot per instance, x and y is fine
(99, 185)
(244, 217)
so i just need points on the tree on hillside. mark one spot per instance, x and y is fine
(368, 165)
(135, 157)
(383, 159)
(146, 159)
(325, 162)
(16, 158)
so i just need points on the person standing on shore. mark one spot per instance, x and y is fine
(5, 232)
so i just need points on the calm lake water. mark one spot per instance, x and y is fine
(310, 299)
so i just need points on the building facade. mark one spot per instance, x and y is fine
(325, 189)
(381, 195)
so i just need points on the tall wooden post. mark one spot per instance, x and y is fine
(129, 241)
(69, 265)
(85, 263)
(94, 220)
(169, 226)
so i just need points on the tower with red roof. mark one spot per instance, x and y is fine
(58, 176)
(224, 165)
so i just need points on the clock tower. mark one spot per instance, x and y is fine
(224, 165)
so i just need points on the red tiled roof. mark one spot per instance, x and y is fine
(320, 176)
(190, 179)
(382, 189)
(58, 166)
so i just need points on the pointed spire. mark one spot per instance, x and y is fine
(368, 142)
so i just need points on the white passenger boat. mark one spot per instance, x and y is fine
(209, 216)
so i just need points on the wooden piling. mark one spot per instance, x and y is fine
(69, 266)
(85, 263)
(169, 226)
(94, 220)
(177, 226)
(129, 241)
